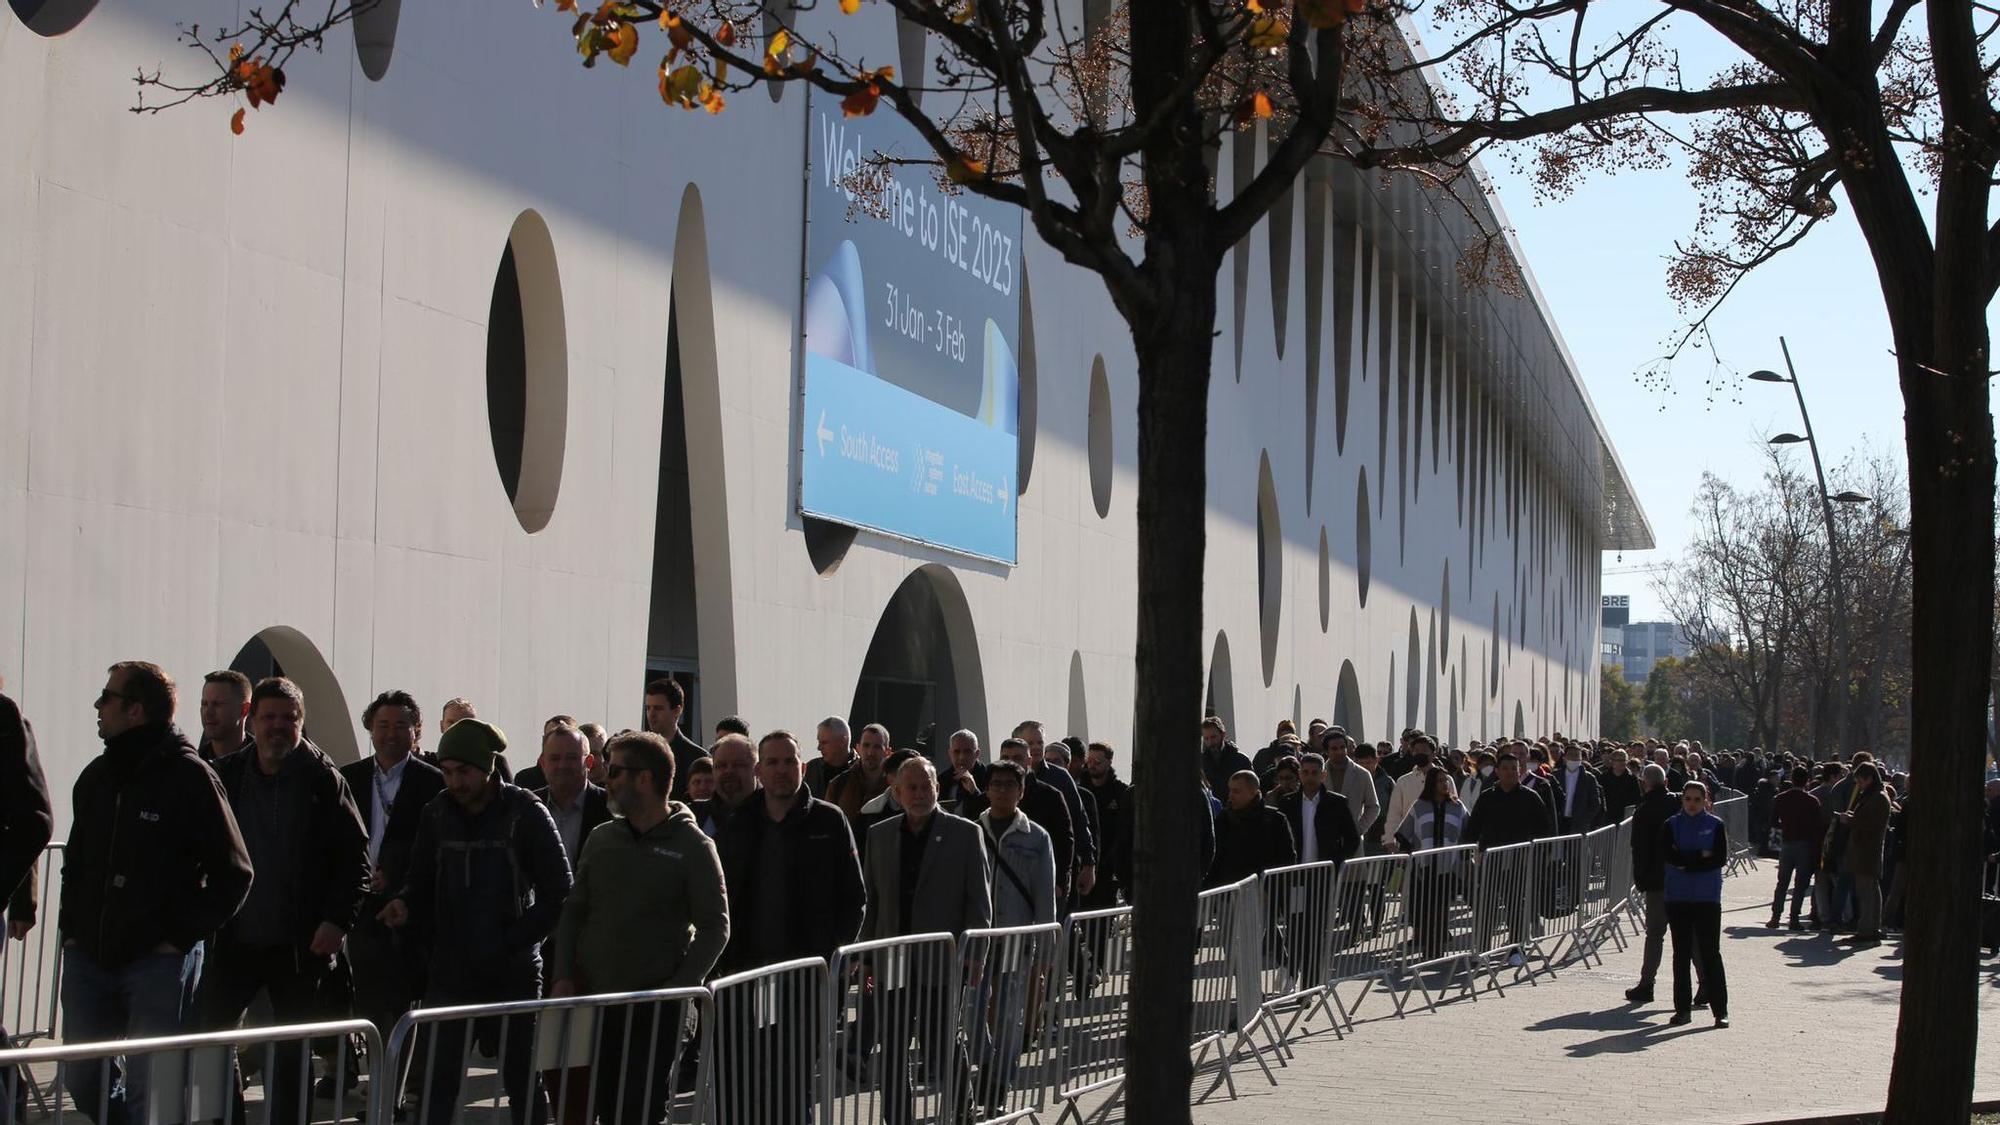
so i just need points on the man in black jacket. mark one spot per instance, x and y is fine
(1508, 813)
(391, 788)
(665, 701)
(1657, 805)
(1620, 786)
(576, 805)
(155, 865)
(25, 827)
(1579, 800)
(1115, 815)
(487, 879)
(1220, 759)
(790, 864)
(1250, 836)
(1334, 837)
(310, 852)
(1081, 873)
(25, 820)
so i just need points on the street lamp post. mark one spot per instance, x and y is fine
(1834, 576)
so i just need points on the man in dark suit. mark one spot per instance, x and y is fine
(1334, 837)
(1579, 799)
(927, 872)
(391, 788)
(665, 701)
(577, 806)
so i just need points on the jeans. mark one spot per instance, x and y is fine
(151, 995)
(1795, 866)
(999, 1016)
(1697, 930)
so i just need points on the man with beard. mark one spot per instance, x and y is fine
(487, 880)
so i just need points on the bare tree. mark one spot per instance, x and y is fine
(1097, 128)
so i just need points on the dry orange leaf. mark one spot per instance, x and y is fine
(861, 102)
(849, 7)
(624, 44)
(236, 122)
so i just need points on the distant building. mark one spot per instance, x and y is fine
(1611, 628)
(1643, 644)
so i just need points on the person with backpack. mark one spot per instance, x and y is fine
(1024, 894)
(487, 879)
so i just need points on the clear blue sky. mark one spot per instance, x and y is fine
(1600, 257)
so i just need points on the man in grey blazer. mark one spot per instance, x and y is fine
(928, 872)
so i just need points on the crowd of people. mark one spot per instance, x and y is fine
(200, 877)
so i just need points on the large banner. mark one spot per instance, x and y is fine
(912, 393)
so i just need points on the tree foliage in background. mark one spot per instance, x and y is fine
(1100, 126)
(1755, 580)
(1617, 704)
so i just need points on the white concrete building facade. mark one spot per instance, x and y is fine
(254, 386)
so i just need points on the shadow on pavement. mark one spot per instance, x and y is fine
(1628, 1042)
(1624, 1018)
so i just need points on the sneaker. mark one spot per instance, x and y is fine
(1700, 998)
(1515, 960)
(1680, 1018)
(1722, 1021)
(1639, 994)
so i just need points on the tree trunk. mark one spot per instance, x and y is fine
(1949, 429)
(1174, 350)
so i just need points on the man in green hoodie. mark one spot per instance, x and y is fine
(647, 911)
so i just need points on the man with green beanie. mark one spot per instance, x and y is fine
(486, 880)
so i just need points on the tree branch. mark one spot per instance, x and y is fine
(1637, 101)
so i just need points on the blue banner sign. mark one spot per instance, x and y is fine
(910, 419)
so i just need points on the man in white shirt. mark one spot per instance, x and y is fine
(391, 788)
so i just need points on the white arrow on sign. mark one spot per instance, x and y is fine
(825, 435)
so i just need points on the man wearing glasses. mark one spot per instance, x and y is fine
(1695, 847)
(155, 864)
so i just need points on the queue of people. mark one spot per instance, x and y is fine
(201, 878)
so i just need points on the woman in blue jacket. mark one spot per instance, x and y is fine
(1695, 848)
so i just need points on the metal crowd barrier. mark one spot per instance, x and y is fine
(31, 972)
(562, 1060)
(184, 1079)
(1559, 888)
(1225, 977)
(1598, 918)
(1440, 891)
(1090, 1020)
(1300, 905)
(765, 1036)
(1368, 935)
(1008, 1001)
(31, 969)
(1735, 814)
(994, 1027)
(888, 994)
(1506, 902)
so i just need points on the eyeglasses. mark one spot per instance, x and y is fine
(107, 695)
(616, 770)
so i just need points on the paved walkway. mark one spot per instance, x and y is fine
(1572, 1049)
